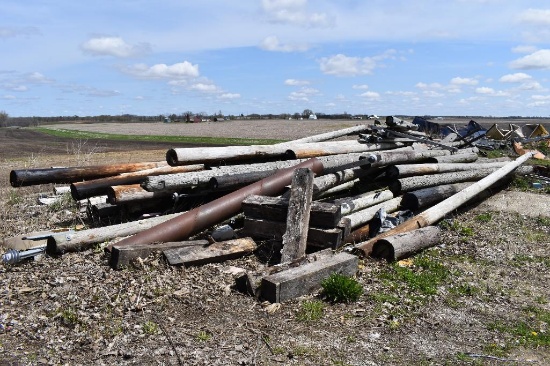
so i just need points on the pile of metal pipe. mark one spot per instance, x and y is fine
(212, 182)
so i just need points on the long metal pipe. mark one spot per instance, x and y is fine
(184, 156)
(98, 187)
(209, 214)
(29, 177)
(329, 135)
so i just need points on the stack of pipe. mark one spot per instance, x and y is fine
(211, 183)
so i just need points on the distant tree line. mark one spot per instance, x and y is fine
(188, 116)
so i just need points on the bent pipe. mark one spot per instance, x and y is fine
(209, 214)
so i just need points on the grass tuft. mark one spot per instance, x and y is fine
(311, 311)
(150, 327)
(341, 288)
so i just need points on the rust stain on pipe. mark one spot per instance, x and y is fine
(202, 217)
(417, 222)
(28, 177)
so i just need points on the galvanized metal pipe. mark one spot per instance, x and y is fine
(209, 214)
(184, 156)
(407, 170)
(329, 135)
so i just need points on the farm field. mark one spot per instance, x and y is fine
(480, 298)
(257, 129)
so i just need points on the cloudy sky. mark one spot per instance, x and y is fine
(415, 57)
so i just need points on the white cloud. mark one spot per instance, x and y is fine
(180, 70)
(93, 92)
(10, 32)
(295, 12)
(402, 93)
(531, 85)
(423, 86)
(303, 94)
(19, 88)
(524, 49)
(492, 92)
(272, 43)
(295, 82)
(536, 16)
(370, 95)
(37, 78)
(463, 81)
(205, 88)
(272, 5)
(432, 94)
(518, 77)
(360, 87)
(485, 90)
(539, 101)
(536, 60)
(297, 96)
(342, 65)
(113, 46)
(230, 96)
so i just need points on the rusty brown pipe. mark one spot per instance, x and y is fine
(100, 186)
(209, 214)
(29, 177)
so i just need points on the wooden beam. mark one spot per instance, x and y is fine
(297, 222)
(322, 214)
(122, 256)
(317, 237)
(307, 278)
(216, 252)
(250, 282)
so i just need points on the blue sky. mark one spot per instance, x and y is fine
(385, 57)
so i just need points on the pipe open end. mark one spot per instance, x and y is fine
(172, 157)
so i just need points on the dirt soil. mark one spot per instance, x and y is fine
(479, 298)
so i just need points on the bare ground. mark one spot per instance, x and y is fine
(480, 298)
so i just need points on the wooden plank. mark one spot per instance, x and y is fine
(297, 222)
(122, 256)
(317, 237)
(322, 214)
(307, 278)
(216, 252)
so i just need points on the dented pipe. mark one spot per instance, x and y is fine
(209, 214)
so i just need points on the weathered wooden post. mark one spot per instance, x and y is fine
(297, 222)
